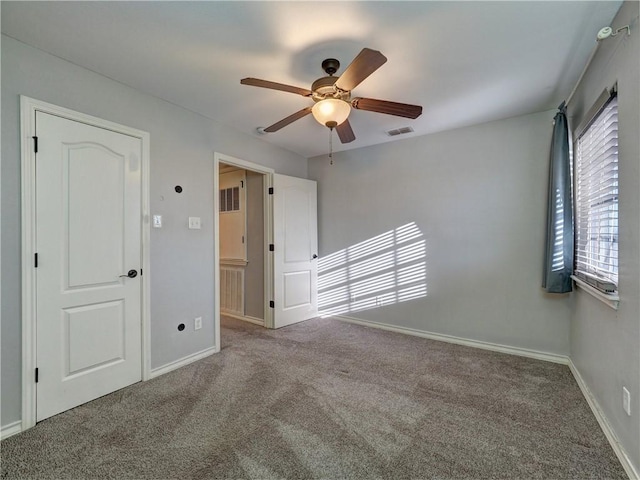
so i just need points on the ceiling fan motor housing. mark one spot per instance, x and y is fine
(324, 88)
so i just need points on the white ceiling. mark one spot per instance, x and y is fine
(464, 62)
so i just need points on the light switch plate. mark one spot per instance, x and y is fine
(194, 223)
(157, 221)
(626, 401)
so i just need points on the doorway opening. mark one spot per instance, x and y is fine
(243, 267)
(289, 244)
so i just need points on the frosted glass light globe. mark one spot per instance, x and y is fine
(331, 110)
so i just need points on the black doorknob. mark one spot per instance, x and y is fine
(131, 274)
(315, 256)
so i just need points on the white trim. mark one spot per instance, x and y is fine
(269, 320)
(27, 131)
(268, 237)
(494, 347)
(216, 253)
(604, 424)
(11, 429)
(28, 109)
(183, 362)
(610, 299)
(244, 164)
(245, 318)
(146, 256)
(234, 262)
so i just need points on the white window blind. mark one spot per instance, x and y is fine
(597, 195)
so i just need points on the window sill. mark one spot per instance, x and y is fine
(610, 299)
(235, 262)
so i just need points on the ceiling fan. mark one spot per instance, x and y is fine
(332, 95)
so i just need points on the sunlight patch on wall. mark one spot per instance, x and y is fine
(386, 269)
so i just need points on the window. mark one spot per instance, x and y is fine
(230, 199)
(596, 168)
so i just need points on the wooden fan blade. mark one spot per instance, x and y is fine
(367, 62)
(384, 106)
(345, 132)
(256, 82)
(290, 119)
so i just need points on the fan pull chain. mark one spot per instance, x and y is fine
(331, 146)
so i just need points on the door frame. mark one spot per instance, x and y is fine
(28, 109)
(267, 173)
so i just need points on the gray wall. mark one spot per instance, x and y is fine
(478, 195)
(182, 146)
(254, 272)
(605, 344)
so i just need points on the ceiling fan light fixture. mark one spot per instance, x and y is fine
(332, 96)
(331, 111)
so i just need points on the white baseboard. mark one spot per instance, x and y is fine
(11, 429)
(169, 367)
(244, 318)
(494, 347)
(604, 424)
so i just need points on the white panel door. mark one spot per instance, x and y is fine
(295, 227)
(88, 229)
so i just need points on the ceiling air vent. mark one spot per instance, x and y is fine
(399, 131)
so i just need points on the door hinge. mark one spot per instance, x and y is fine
(35, 260)
(140, 272)
(270, 190)
(272, 304)
(36, 375)
(271, 247)
(35, 144)
(242, 238)
(241, 183)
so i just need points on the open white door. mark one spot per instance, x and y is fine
(295, 256)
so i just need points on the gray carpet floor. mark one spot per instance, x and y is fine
(331, 400)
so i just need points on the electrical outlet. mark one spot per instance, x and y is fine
(157, 221)
(626, 400)
(197, 323)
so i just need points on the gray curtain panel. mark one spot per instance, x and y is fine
(558, 259)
